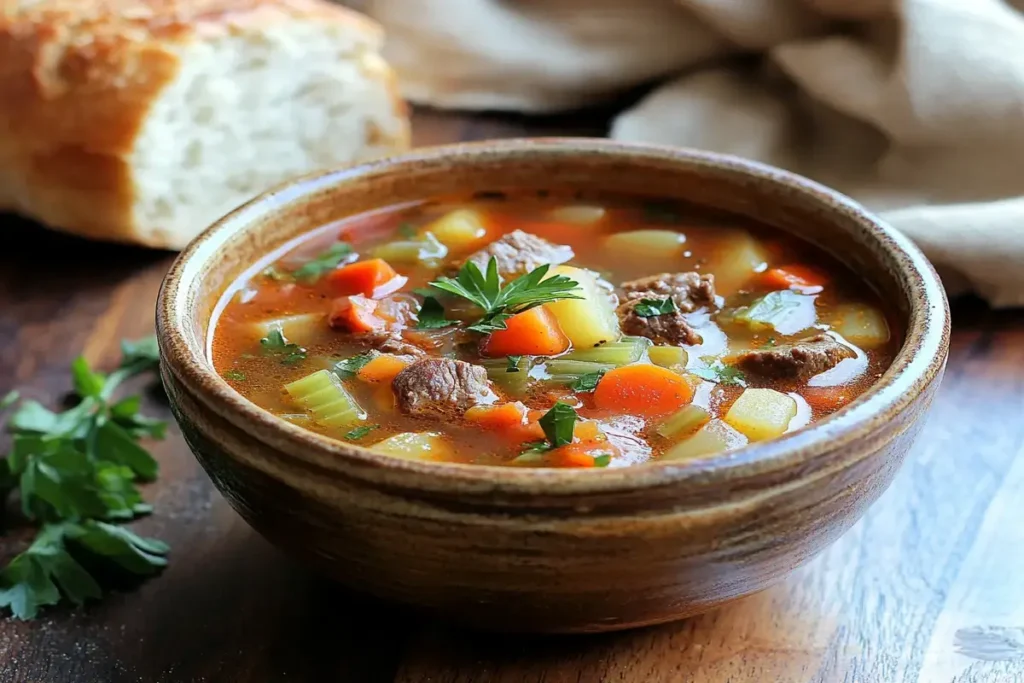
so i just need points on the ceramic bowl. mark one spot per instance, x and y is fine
(553, 550)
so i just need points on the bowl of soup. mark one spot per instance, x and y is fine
(554, 385)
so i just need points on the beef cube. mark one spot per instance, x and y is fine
(441, 388)
(797, 361)
(518, 252)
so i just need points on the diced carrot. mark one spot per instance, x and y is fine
(374, 278)
(645, 390)
(501, 417)
(793, 275)
(383, 368)
(826, 399)
(384, 398)
(572, 455)
(531, 333)
(355, 314)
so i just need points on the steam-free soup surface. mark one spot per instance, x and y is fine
(546, 332)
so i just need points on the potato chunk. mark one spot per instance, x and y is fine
(735, 258)
(761, 413)
(714, 437)
(460, 230)
(415, 446)
(300, 329)
(590, 320)
(647, 243)
(862, 325)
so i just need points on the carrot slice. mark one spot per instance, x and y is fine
(826, 399)
(531, 333)
(355, 314)
(499, 417)
(645, 390)
(572, 455)
(374, 278)
(383, 368)
(793, 275)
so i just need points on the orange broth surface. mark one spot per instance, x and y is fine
(739, 253)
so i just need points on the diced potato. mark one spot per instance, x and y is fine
(587, 321)
(299, 329)
(714, 437)
(862, 325)
(415, 446)
(761, 413)
(578, 214)
(672, 357)
(461, 229)
(660, 244)
(423, 249)
(736, 256)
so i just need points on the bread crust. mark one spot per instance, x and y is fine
(78, 79)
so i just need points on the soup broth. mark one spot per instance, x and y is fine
(543, 331)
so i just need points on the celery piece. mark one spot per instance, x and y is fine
(623, 352)
(565, 371)
(514, 382)
(668, 356)
(683, 421)
(323, 396)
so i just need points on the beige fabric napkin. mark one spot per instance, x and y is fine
(916, 108)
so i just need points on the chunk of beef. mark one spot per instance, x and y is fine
(797, 361)
(689, 291)
(520, 252)
(668, 328)
(441, 388)
(389, 318)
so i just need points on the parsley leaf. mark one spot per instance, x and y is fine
(360, 432)
(498, 302)
(769, 343)
(9, 399)
(72, 470)
(558, 424)
(716, 371)
(325, 262)
(587, 382)
(347, 369)
(235, 375)
(431, 315)
(532, 452)
(513, 363)
(648, 308)
(273, 273)
(274, 344)
(602, 460)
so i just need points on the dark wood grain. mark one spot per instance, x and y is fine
(934, 567)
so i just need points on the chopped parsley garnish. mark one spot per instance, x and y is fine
(431, 315)
(602, 460)
(648, 308)
(347, 369)
(535, 446)
(323, 263)
(513, 364)
(235, 375)
(273, 273)
(587, 382)
(75, 471)
(274, 344)
(558, 424)
(360, 432)
(717, 371)
(407, 230)
(499, 303)
(769, 343)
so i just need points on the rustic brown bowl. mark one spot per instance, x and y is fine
(553, 550)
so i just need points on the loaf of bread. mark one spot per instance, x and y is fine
(143, 121)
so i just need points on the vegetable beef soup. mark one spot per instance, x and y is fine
(536, 332)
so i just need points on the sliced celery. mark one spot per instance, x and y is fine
(623, 352)
(323, 396)
(565, 371)
(683, 421)
(668, 356)
(514, 383)
(421, 249)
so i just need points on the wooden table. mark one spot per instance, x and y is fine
(928, 587)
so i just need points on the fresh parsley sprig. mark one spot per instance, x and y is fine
(74, 471)
(650, 308)
(275, 344)
(323, 263)
(500, 302)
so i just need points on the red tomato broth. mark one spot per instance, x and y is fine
(238, 354)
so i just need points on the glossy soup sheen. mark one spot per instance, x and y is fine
(771, 291)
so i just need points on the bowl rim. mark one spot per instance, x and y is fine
(919, 362)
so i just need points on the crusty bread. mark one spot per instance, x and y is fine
(145, 120)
